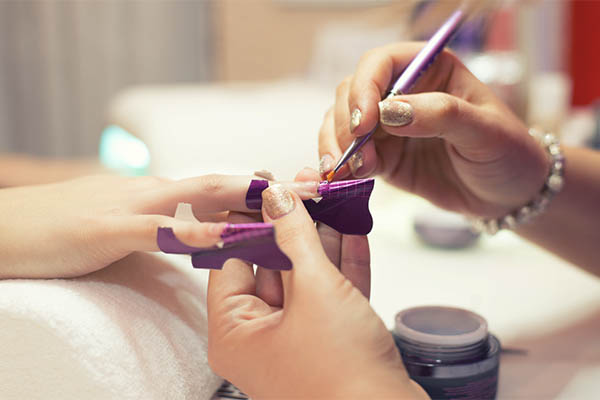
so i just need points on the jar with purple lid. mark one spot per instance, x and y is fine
(449, 352)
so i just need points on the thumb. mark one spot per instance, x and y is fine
(436, 114)
(296, 236)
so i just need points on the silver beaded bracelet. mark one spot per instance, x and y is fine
(554, 183)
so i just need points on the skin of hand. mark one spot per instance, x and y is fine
(75, 227)
(452, 141)
(21, 170)
(317, 337)
(268, 282)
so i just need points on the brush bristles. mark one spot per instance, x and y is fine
(330, 176)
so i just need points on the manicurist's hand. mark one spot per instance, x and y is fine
(321, 339)
(453, 142)
(75, 227)
(456, 144)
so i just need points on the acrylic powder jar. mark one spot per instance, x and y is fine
(449, 352)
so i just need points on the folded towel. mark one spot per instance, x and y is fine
(134, 330)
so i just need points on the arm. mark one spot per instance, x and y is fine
(21, 170)
(570, 227)
(75, 227)
(453, 142)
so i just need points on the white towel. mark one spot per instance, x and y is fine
(134, 330)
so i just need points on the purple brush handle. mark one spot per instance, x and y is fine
(411, 73)
(427, 55)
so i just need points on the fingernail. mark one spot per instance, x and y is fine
(395, 112)
(355, 119)
(217, 229)
(326, 164)
(355, 162)
(263, 173)
(277, 201)
(305, 190)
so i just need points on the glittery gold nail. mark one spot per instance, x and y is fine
(277, 201)
(395, 112)
(355, 119)
(355, 162)
(326, 164)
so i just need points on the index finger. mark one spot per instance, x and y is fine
(236, 277)
(379, 67)
(213, 193)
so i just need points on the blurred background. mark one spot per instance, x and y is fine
(63, 62)
(180, 88)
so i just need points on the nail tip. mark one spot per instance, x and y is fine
(325, 164)
(356, 162)
(355, 119)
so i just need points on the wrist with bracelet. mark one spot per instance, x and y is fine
(553, 184)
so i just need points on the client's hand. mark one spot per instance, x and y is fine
(323, 341)
(75, 227)
(453, 142)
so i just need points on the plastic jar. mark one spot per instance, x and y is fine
(449, 352)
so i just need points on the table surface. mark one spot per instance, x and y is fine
(532, 300)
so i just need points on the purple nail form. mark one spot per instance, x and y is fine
(253, 243)
(344, 205)
(254, 194)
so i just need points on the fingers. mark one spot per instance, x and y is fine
(333, 141)
(330, 150)
(331, 241)
(330, 238)
(379, 67)
(211, 193)
(295, 234)
(364, 162)
(372, 79)
(138, 233)
(355, 262)
(441, 115)
(268, 282)
(208, 193)
(341, 115)
(269, 286)
(358, 109)
(236, 278)
(351, 254)
(307, 175)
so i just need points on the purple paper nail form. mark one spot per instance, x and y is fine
(344, 205)
(253, 243)
(254, 194)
